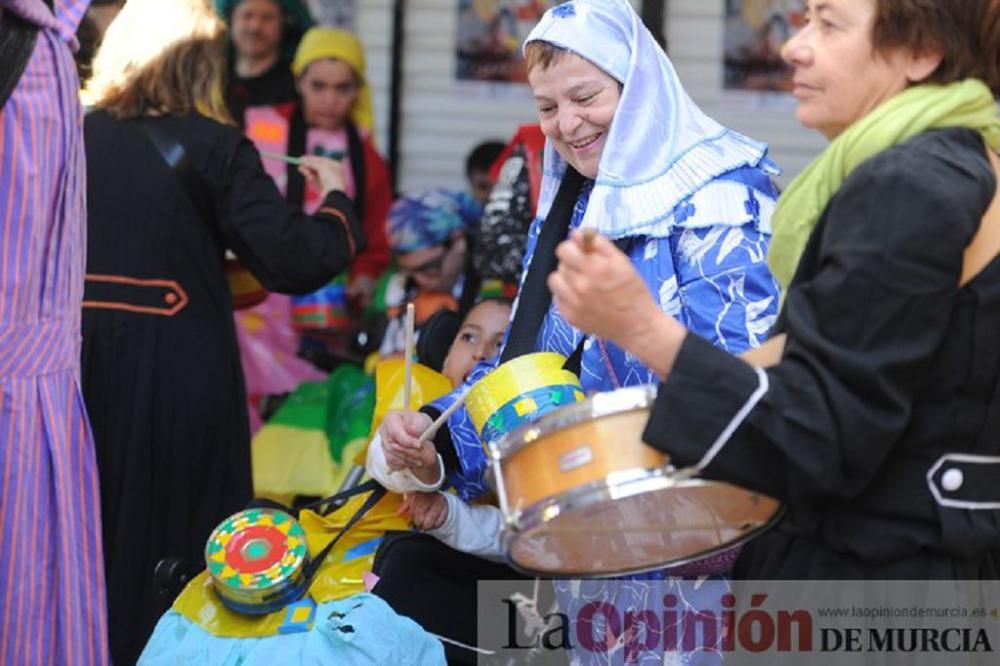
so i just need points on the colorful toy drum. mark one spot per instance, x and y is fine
(323, 309)
(520, 391)
(257, 560)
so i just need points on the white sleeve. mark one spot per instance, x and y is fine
(471, 529)
(402, 481)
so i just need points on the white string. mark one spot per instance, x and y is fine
(735, 422)
(461, 645)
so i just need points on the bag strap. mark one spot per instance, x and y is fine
(356, 157)
(985, 245)
(17, 43)
(176, 158)
(309, 572)
(377, 493)
(327, 505)
(535, 297)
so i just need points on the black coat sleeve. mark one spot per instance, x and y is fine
(864, 321)
(287, 250)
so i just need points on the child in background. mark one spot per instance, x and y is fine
(431, 234)
(333, 119)
(479, 169)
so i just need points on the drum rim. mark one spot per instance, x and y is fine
(628, 399)
(594, 492)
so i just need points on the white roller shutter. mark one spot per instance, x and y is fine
(442, 118)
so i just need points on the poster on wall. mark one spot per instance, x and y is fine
(755, 31)
(490, 34)
(333, 13)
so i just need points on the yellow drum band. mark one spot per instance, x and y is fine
(523, 376)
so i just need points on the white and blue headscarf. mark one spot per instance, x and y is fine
(661, 147)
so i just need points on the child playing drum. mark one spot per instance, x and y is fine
(404, 470)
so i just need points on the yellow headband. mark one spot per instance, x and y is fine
(319, 43)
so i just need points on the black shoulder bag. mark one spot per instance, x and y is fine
(17, 43)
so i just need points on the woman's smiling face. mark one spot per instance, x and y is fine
(576, 102)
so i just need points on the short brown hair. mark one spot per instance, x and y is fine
(965, 32)
(162, 57)
(543, 54)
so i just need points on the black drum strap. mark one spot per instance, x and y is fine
(534, 299)
(377, 493)
(295, 183)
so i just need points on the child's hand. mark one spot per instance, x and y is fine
(399, 458)
(400, 433)
(427, 510)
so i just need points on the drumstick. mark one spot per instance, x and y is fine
(408, 357)
(295, 161)
(589, 233)
(439, 421)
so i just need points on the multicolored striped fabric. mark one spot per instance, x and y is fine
(51, 572)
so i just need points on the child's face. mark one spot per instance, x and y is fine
(329, 89)
(478, 339)
(481, 185)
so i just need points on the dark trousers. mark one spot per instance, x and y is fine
(435, 586)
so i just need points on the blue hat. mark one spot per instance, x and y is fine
(430, 218)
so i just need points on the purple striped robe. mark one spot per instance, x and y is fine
(52, 608)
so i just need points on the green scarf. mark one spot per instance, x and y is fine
(968, 104)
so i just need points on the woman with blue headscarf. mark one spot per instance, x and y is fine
(629, 155)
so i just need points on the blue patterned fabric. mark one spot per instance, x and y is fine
(356, 631)
(419, 221)
(673, 635)
(710, 274)
(690, 203)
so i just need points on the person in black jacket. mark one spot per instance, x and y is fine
(171, 186)
(874, 410)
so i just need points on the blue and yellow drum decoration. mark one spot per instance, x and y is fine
(257, 559)
(520, 391)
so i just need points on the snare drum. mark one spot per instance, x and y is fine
(582, 495)
(257, 559)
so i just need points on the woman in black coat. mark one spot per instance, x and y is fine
(171, 186)
(874, 410)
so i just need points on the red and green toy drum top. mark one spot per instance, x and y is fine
(257, 560)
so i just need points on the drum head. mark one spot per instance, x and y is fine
(648, 522)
